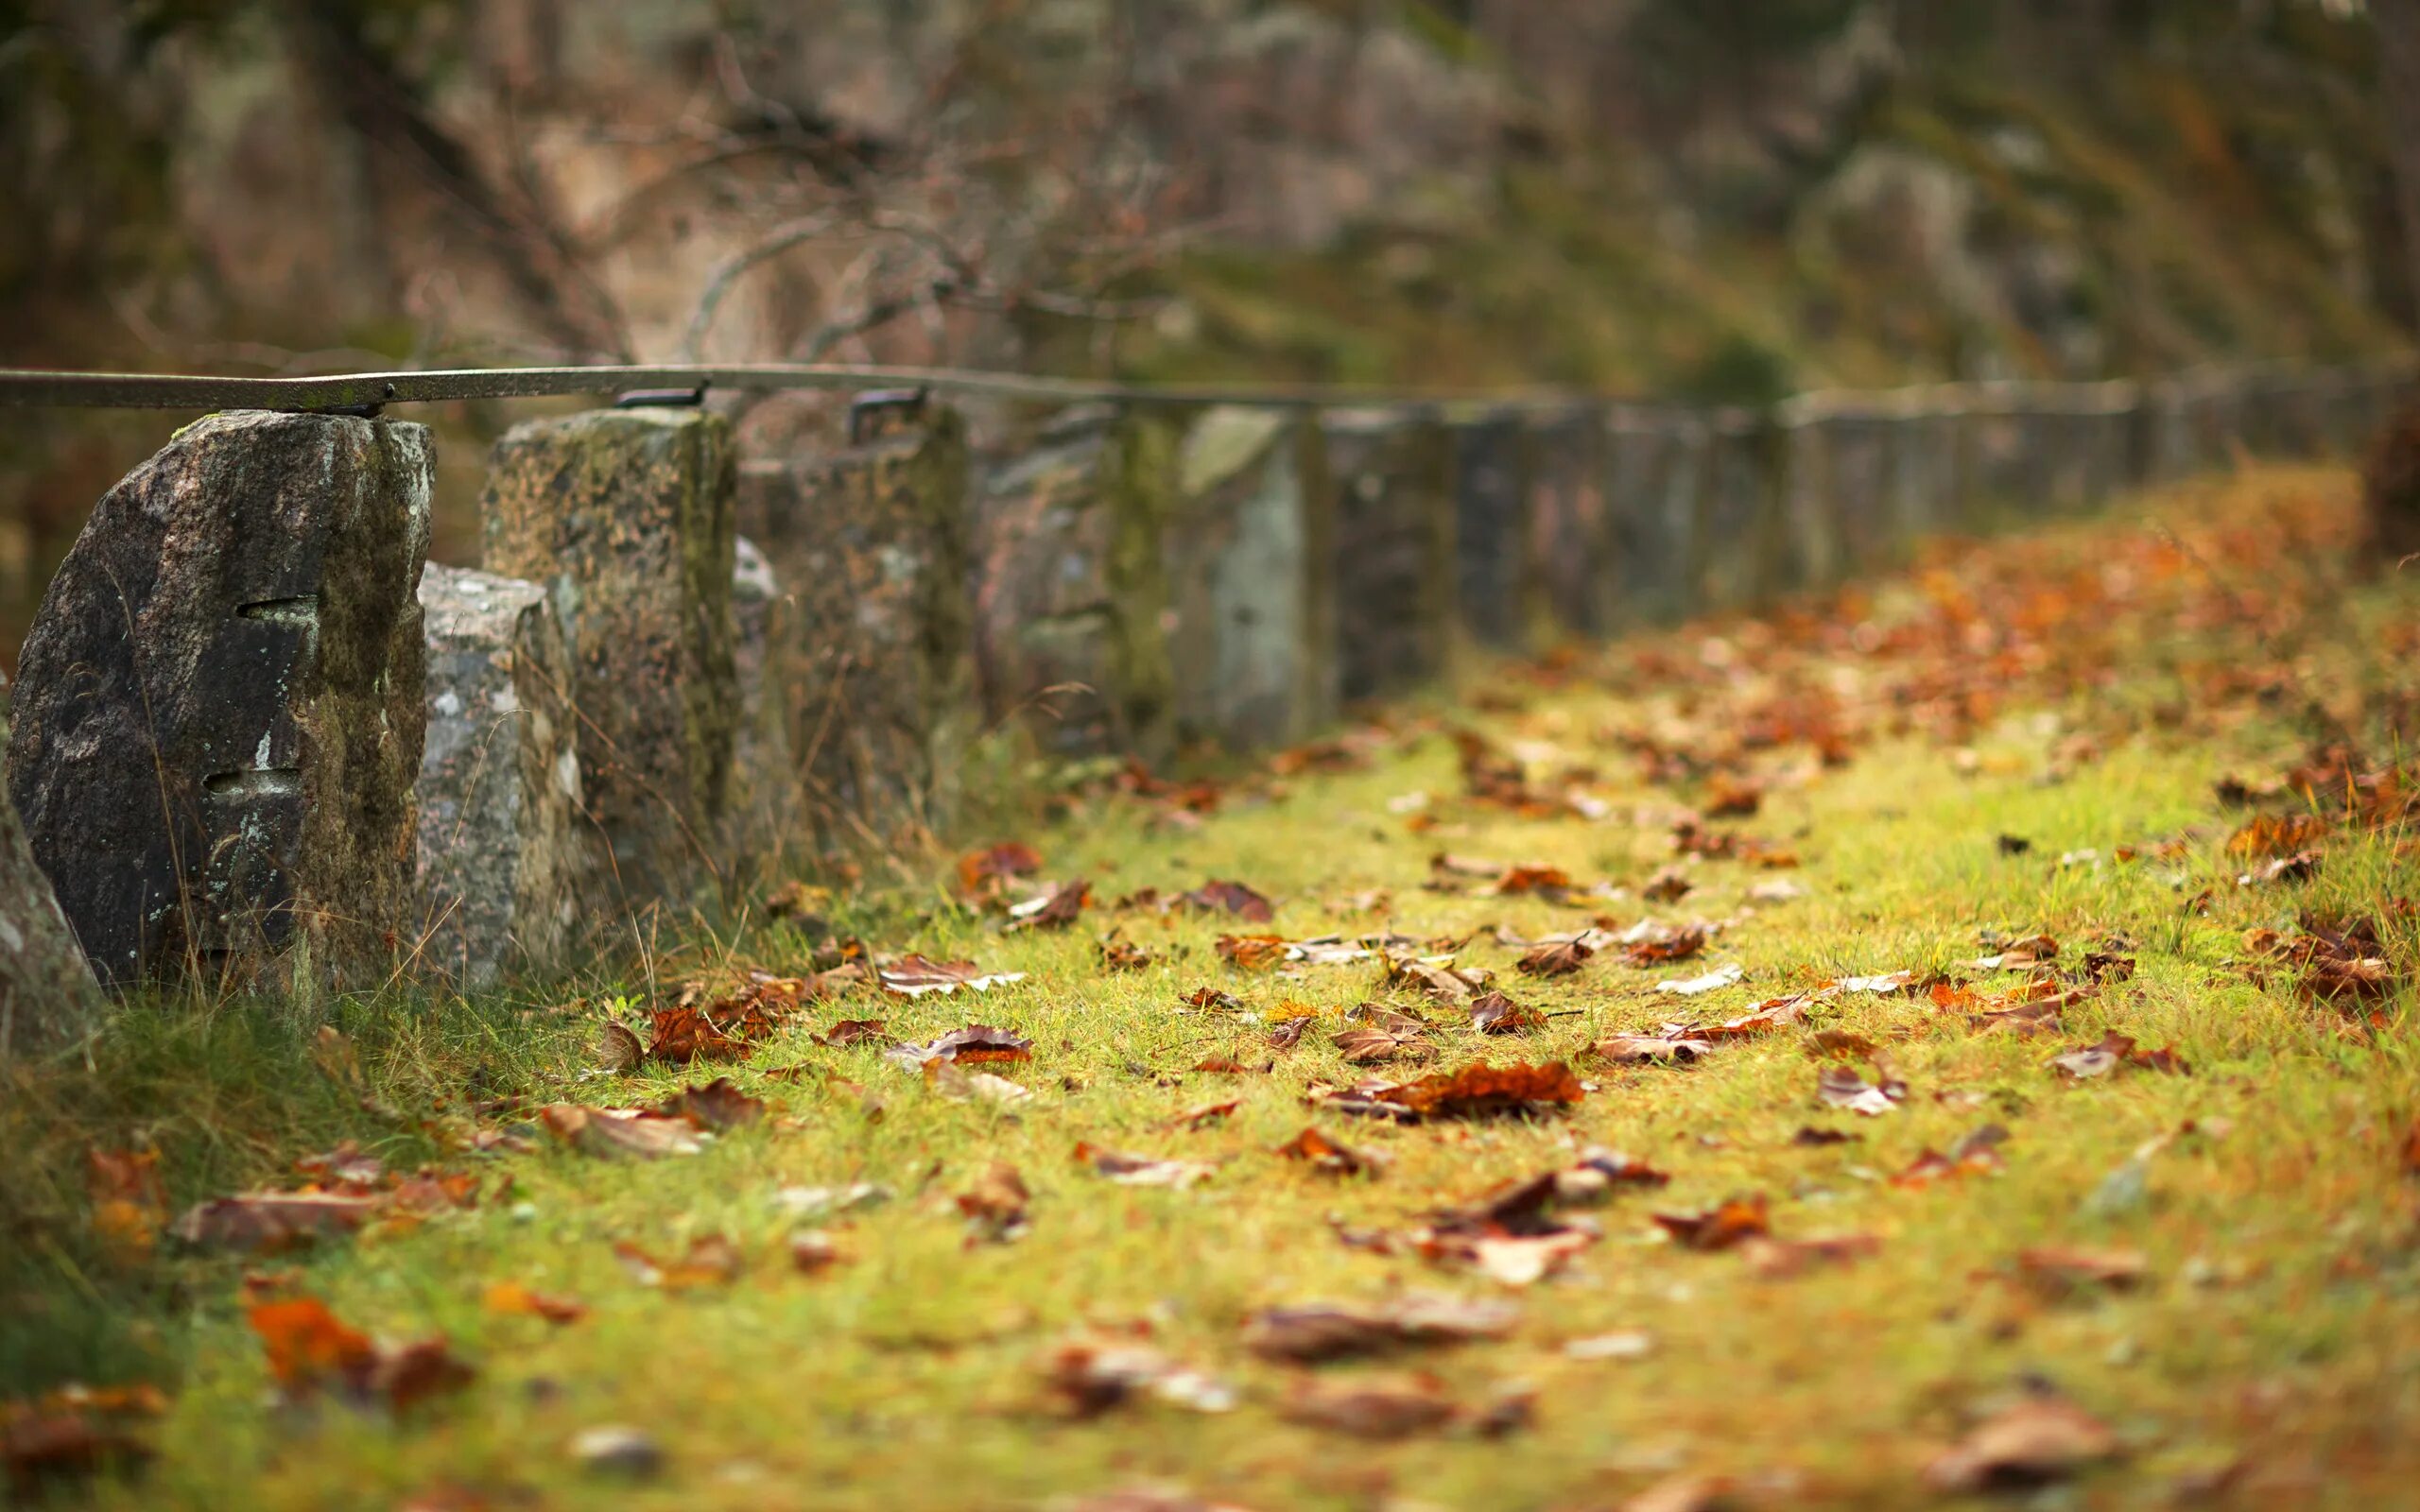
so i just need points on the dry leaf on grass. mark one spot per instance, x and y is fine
(1495, 1013)
(976, 1045)
(853, 1032)
(1311, 1333)
(711, 1260)
(2062, 1269)
(1321, 1153)
(719, 1104)
(2028, 1444)
(511, 1298)
(264, 1222)
(1091, 1374)
(309, 1349)
(620, 1133)
(913, 976)
(1142, 1171)
(1053, 908)
(994, 1206)
(1637, 1049)
(1720, 977)
(1559, 958)
(1841, 1087)
(1375, 1406)
(1720, 1227)
(1222, 897)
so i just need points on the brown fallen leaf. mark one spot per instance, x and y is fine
(265, 1222)
(1558, 959)
(618, 1048)
(981, 874)
(976, 1045)
(1322, 1153)
(1391, 1037)
(1976, 1153)
(511, 1298)
(2029, 1443)
(1665, 948)
(1056, 908)
(1670, 885)
(1545, 882)
(1203, 1116)
(1217, 896)
(1251, 952)
(1091, 1374)
(1312, 1333)
(1638, 1049)
(1495, 1013)
(1721, 1227)
(1484, 1090)
(130, 1201)
(711, 1260)
(1513, 1260)
(1841, 1087)
(853, 1032)
(308, 1349)
(719, 1104)
(619, 1133)
(70, 1434)
(994, 1206)
(1118, 953)
(2062, 1269)
(1375, 1406)
(1780, 1259)
(1439, 978)
(814, 1252)
(2116, 1050)
(1142, 1171)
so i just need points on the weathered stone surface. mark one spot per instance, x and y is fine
(1493, 550)
(1924, 474)
(624, 517)
(1655, 475)
(1571, 531)
(761, 817)
(1741, 552)
(506, 850)
(1070, 589)
(1859, 480)
(1245, 554)
(47, 994)
(870, 663)
(219, 709)
(1393, 556)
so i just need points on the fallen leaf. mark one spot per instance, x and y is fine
(959, 1085)
(1203, 1116)
(1056, 908)
(994, 1206)
(813, 1251)
(2116, 1050)
(512, 1299)
(1311, 1333)
(618, 1048)
(130, 1202)
(1483, 1090)
(1117, 953)
(2060, 1269)
(1780, 1259)
(719, 1104)
(1142, 1171)
(982, 873)
(1668, 885)
(267, 1221)
(711, 1260)
(1495, 1013)
(976, 1045)
(1975, 1153)
(1554, 960)
(1841, 1087)
(1090, 1375)
(1636, 1049)
(1689, 987)
(1383, 1407)
(1439, 978)
(619, 1133)
(913, 976)
(1251, 952)
(1665, 948)
(1720, 1227)
(1217, 896)
(853, 1032)
(2029, 1443)
(1322, 1153)
(308, 1349)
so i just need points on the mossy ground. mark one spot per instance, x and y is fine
(2083, 689)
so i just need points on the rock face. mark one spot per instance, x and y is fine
(48, 995)
(1493, 530)
(870, 666)
(1655, 475)
(505, 849)
(1394, 557)
(762, 813)
(1572, 534)
(624, 516)
(1252, 638)
(1070, 587)
(219, 710)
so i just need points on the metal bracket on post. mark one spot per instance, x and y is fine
(661, 398)
(364, 411)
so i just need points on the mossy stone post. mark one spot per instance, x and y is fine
(871, 662)
(1070, 589)
(506, 850)
(1924, 472)
(1811, 504)
(1495, 585)
(1392, 556)
(624, 516)
(217, 718)
(1245, 554)
(1655, 476)
(47, 994)
(760, 816)
(1742, 550)
(1572, 536)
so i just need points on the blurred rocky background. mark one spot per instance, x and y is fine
(1700, 199)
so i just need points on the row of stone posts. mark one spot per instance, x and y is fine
(258, 738)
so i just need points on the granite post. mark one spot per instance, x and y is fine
(1391, 473)
(1655, 473)
(218, 717)
(1571, 532)
(1493, 553)
(506, 850)
(624, 516)
(47, 994)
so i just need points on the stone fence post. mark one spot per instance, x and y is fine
(872, 658)
(218, 715)
(1571, 533)
(1391, 472)
(1492, 523)
(1245, 551)
(506, 850)
(48, 995)
(624, 517)
(1741, 551)
(1655, 467)
(1070, 589)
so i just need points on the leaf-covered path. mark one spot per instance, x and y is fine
(1954, 1038)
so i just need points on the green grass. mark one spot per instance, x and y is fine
(2271, 1335)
